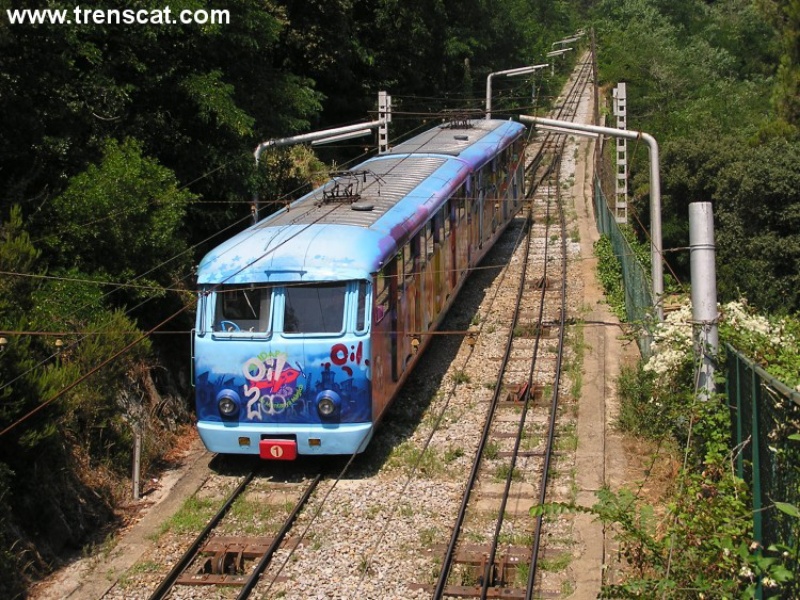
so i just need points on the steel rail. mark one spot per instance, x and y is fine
(190, 554)
(532, 572)
(537, 536)
(572, 98)
(449, 556)
(472, 478)
(251, 583)
(554, 173)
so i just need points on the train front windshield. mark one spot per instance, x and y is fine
(293, 309)
(243, 308)
(314, 309)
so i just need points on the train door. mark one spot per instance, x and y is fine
(428, 260)
(521, 174)
(415, 275)
(407, 303)
(491, 208)
(508, 193)
(462, 235)
(470, 230)
(382, 338)
(450, 234)
(517, 172)
(396, 311)
(479, 216)
(438, 261)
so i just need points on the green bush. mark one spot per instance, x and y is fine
(609, 272)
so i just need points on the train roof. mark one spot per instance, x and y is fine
(345, 229)
(475, 140)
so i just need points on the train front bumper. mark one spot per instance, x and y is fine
(238, 438)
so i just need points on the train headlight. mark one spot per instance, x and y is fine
(228, 403)
(329, 404)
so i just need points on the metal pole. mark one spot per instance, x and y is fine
(489, 95)
(385, 115)
(507, 73)
(307, 137)
(704, 291)
(314, 135)
(137, 458)
(656, 247)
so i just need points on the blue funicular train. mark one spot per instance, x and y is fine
(309, 321)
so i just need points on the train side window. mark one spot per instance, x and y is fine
(410, 254)
(361, 306)
(398, 272)
(382, 296)
(429, 241)
(317, 308)
(243, 308)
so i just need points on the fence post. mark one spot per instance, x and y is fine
(137, 459)
(755, 395)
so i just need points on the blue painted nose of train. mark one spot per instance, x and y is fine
(295, 382)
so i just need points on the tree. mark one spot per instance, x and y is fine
(198, 98)
(785, 16)
(120, 218)
(758, 207)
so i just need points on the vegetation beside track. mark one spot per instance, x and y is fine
(716, 84)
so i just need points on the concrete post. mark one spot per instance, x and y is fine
(137, 459)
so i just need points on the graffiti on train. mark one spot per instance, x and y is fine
(341, 356)
(272, 385)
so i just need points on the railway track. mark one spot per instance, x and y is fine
(225, 560)
(516, 445)
(515, 451)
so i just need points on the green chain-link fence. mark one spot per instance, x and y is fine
(765, 412)
(636, 282)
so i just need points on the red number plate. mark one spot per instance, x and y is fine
(277, 449)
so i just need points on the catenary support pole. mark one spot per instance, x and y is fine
(339, 133)
(137, 459)
(656, 248)
(704, 292)
(508, 73)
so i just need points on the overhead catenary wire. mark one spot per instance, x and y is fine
(131, 309)
(140, 338)
(67, 388)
